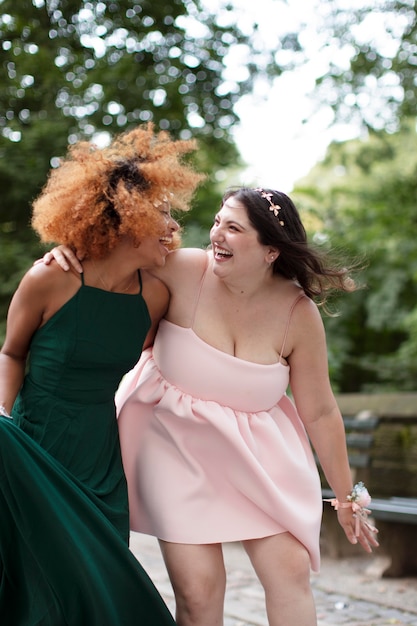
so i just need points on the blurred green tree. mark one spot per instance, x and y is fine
(362, 199)
(370, 46)
(78, 68)
(72, 69)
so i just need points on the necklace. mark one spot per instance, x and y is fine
(106, 287)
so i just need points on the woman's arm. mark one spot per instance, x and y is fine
(156, 296)
(178, 264)
(25, 315)
(317, 407)
(42, 291)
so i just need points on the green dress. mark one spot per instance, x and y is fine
(64, 555)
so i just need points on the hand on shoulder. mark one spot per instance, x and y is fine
(64, 256)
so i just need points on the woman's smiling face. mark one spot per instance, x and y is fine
(155, 249)
(234, 240)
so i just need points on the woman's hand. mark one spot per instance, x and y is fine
(367, 533)
(65, 258)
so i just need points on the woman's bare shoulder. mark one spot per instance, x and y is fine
(182, 264)
(297, 310)
(49, 278)
(186, 256)
(41, 292)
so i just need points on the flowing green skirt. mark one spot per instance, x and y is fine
(61, 560)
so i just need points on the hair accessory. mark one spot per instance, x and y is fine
(275, 208)
(357, 500)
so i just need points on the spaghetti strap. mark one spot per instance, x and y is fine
(140, 281)
(197, 296)
(82, 278)
(298, 298)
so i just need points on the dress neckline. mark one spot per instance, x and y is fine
(191, 331)
(117, 293)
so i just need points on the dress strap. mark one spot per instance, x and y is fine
(198, 293)
(82, 278)
(140, 281)
(298, 298)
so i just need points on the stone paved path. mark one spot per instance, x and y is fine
(348, 592)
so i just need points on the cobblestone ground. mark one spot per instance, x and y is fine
(347, 592)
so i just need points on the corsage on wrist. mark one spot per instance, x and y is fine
(358, 500)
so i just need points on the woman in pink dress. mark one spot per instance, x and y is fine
(213, 448)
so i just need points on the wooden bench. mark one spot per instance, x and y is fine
(378, 464)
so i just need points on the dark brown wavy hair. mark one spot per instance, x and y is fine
(298, 260)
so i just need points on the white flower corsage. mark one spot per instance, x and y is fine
(360, 495)
(358, 500)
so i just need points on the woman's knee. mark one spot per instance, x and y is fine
(280, 558)
(198, 578)
(200, 600)
(298, 567)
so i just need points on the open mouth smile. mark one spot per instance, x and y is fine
(221, 253)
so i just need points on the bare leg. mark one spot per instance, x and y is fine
(198, 577)
(283, 566)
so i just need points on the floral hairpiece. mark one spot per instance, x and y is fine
(275, 208)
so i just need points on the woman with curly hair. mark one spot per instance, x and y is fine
(213, 448)
(64, 555)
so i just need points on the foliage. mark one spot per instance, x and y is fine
(365, 196)
(72, 69)
(371, 48)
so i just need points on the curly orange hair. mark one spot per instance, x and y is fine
(98, 195)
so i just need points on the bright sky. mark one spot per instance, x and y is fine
(277, 146)
(272, 138)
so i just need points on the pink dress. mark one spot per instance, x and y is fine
(213, 448)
